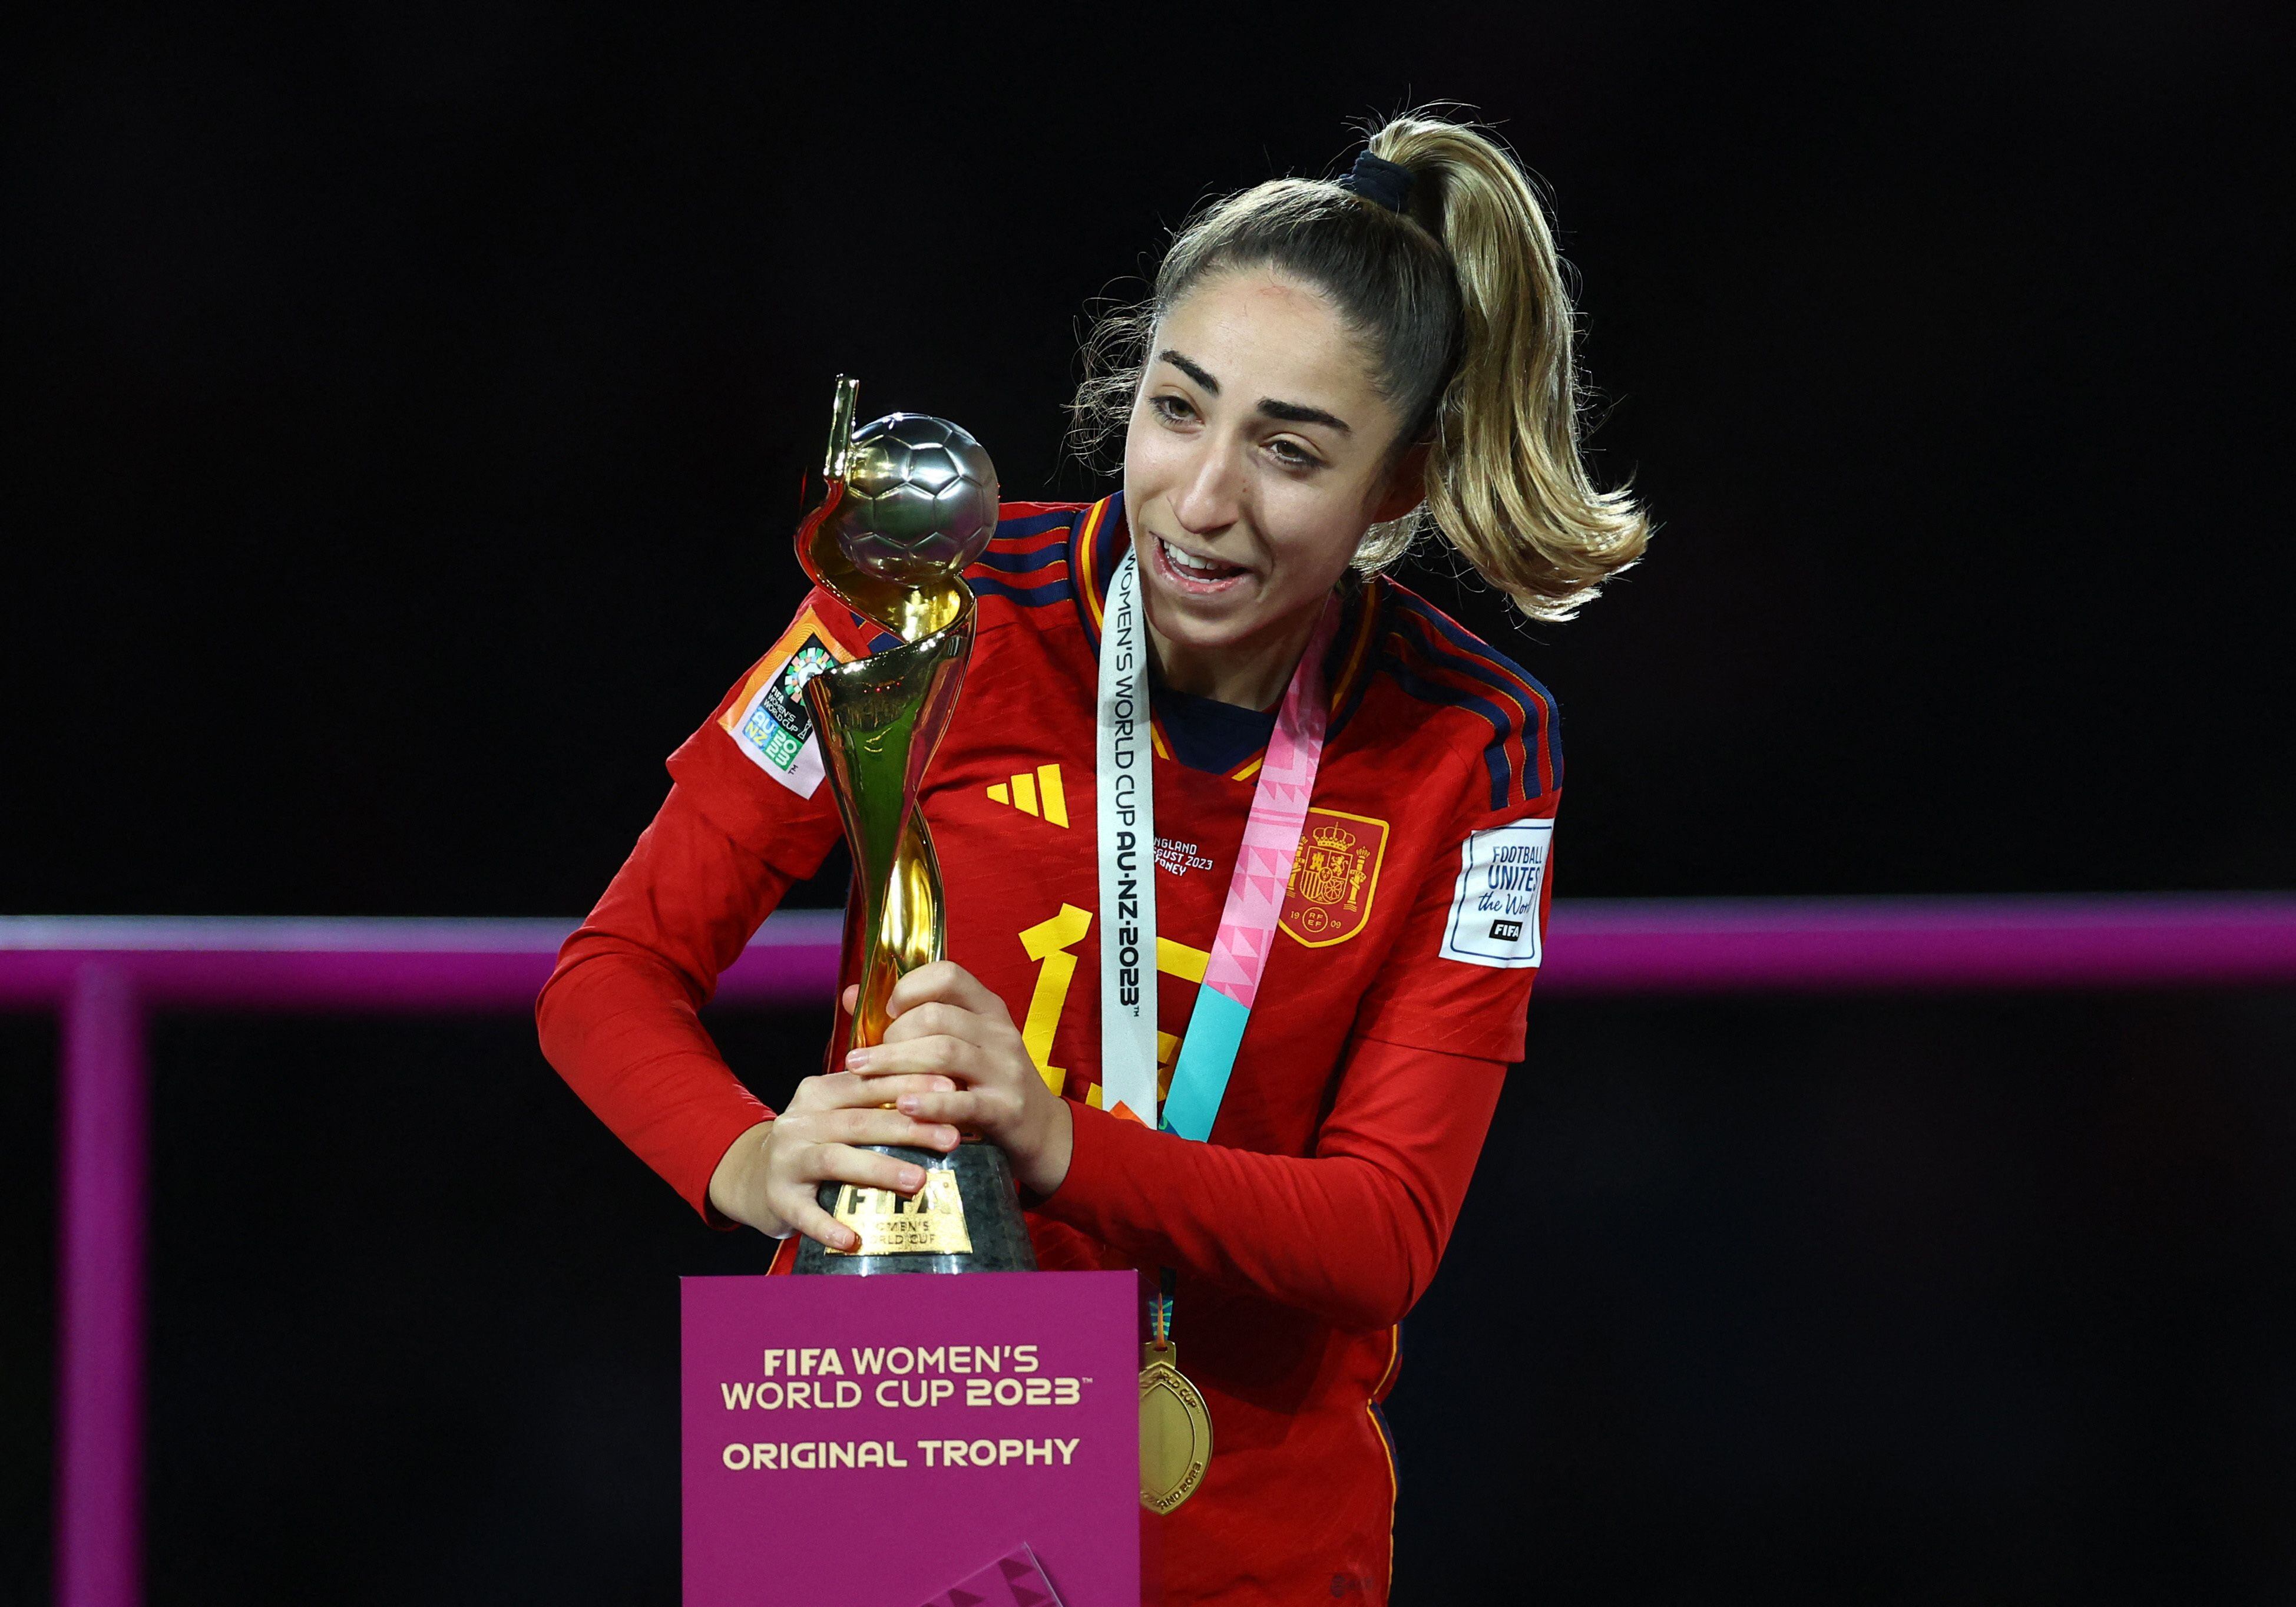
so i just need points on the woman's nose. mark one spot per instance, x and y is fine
(1212, 495)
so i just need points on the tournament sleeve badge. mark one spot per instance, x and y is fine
(1334, 875)
(769, 721)
(1494, 919)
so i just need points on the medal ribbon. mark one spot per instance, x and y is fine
(1125, 805)
(1255, 890)
(1126, 809)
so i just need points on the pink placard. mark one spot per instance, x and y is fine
(869, 1442)
(1015, 1579)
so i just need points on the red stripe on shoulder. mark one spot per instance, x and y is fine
(1029, 541)
(1009, 511)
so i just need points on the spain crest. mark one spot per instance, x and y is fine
(1333, 876)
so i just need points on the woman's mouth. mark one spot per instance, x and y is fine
(1196, 577)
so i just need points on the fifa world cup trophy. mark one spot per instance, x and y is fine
(911, 503)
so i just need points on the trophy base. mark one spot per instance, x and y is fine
(992, 1220)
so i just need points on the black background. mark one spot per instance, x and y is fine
(405, 408)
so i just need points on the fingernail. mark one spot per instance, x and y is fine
(943, 1085)
(907, 1103)
(859, 1060)
(913, 1178)
(945, 1137)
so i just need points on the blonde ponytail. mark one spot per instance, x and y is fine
(1506, 483)
(1463, 296)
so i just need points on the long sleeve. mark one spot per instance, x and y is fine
(1351, 1234)
(619, 1017)
(746, 818)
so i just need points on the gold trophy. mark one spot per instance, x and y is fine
(911, 503)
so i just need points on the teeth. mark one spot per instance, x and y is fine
(1194, 566)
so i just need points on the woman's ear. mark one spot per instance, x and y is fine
(1406, 487)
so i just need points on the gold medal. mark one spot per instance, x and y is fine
(1176, 1430)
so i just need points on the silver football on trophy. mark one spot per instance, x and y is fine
(920, 498)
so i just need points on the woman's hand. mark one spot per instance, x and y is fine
(769, 1177)
(950, 1030)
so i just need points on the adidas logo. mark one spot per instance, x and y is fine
(1038, 794)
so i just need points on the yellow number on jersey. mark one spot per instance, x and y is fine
(1049, 943)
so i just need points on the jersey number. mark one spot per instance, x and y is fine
(1051, 944)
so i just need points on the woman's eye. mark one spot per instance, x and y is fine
(1293, 455)
(1172, 409)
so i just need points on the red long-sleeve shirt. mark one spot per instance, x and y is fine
(1318, 1213)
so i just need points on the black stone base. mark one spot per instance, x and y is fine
(992, 1218)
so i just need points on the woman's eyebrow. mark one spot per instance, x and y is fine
(1192, 370)
(1295, 413)
(1290, 413)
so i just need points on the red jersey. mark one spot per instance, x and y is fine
(1391, 1003)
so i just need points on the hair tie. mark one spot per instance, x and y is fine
(1376, 179)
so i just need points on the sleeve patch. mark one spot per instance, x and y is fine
(769, 721)
(1495, 913)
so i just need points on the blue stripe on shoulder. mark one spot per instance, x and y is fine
(1543, 738)
(1479, 660)
(1495, 758)
(1465, 640)
(863, 622)
(1035, 524)
(1023, 563)
(1031, 597)
(999, 562)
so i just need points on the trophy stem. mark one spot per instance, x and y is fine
(905, 928)
(880, 720)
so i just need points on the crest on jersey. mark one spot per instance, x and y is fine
(1334, 877)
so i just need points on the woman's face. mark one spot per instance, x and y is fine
(1256, 456)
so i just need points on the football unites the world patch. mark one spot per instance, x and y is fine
(769, 722)
(1335, 873)
(1494, 918)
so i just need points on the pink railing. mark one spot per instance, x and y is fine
(103, 975)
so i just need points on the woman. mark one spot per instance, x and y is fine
(1320, 361)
